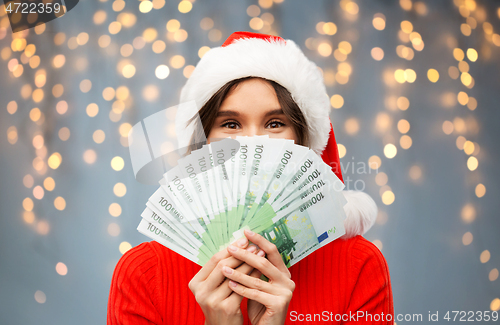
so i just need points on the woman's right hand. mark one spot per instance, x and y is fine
(210, 287)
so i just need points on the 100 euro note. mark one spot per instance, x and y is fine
(296, 225)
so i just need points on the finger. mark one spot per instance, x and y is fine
(273, 255)
(216, 277)
(216, 258)
(258, 262)
(264, 298)
(223, 291)
(251, 282)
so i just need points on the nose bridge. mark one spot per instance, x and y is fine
(252, 129)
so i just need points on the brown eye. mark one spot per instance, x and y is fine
(230, 125)
(275, 124)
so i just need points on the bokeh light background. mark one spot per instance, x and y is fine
(414, 89)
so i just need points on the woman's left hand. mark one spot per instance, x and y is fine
(268, 301)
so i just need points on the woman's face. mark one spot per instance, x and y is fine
(252, 108)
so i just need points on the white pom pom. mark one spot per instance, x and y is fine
(361, 213)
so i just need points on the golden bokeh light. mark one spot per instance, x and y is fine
(126, 50)
(98, 136)
(28, 181)
(399, 75)
(493, 275)
(61, 268)
(324, 49)
(117, 163)
(405, 141)
(374, 162)
(188, 70)
(42, 227)
(28, 217)
(433, 75)
(468, 147)
(159, 46)
(40, 297)
(28, 204)
(49, 184)
(54, 160)
(150, 93)
(472, 103)
(145, 6)
(378, 21)
(185, 6)
(162, 71)
(128, 71)
(99, 17)
(406, 26)
(472, 163)
(60, 203)
(108, 93)
(495, 304)
(12, 107)
(120, 189)
(468, 213)
(377, 53)
(462, 98)
(390, 150)
(337, 101)
(89, 156)
(403, 126)
(467, 238)
(485, 256)
(125, 246)
(480, 190)
(458, 54)
(388, 197)
(403, 103)
(351, 126)
(12, 134)
(177, 61)
(383, 122)
(208, 23)
(463, 66)
(381, 179)
(115, 209)
(64, 133)
(92, 109)
(113, 229)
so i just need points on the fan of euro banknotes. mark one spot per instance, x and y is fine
(281, 190)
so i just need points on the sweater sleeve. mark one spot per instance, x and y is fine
(371, 298)
(134, 296)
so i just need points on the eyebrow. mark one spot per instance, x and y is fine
(277, 111)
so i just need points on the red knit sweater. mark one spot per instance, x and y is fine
(341, 280)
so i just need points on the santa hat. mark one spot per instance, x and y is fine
(246, 54)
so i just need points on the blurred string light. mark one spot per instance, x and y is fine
(21, 58)
(412, 43)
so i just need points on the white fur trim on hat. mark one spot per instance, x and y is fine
(273, 60)
(361, 213)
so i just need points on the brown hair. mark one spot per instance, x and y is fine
(208, 112)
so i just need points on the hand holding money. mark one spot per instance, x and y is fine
(219, 303)
(268, 301)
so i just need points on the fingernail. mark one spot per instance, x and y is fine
(227, 270)
(251, 233)
(261, 253)
(242, 242)
(251, 248)
(232, 248)
(232, 284)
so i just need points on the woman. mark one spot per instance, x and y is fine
(253, 85)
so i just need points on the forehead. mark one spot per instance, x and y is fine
(252, 93)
